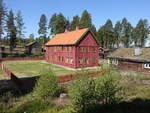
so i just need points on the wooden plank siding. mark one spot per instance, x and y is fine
(83, 54)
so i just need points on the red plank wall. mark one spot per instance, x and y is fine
(87, 41)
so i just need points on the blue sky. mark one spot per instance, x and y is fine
(100, 10)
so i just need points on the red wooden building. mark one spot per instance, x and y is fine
(73, 49)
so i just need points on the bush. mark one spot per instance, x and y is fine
(81, 93)
(31, 106)
(107, 90)
(88, 93)
(47, 86)
(39, 54)
(56, 109)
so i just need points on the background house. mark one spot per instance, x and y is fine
(32, 48)
(134, 59)
(74, 49)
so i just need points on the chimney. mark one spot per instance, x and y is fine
(77, 28)
(137, 51)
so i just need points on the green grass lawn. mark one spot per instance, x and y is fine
(35, 68)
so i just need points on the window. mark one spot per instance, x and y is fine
(93, 60)
(92, 49)
(80, 61)
(80, 49)
(86, 61)
(67, 60)
(62, 59)
(69, 49)
(114, 62)
(71, 60)
(147, 66)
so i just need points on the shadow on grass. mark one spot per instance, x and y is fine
(18, 86)
(135, 106)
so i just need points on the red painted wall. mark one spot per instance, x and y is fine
(87, 44)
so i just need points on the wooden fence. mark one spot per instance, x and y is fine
(28, 83)
(21, 58)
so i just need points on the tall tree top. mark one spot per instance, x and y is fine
(75, 22)
(52, 23)
(43, 25)
(19, 24)
(85, 20)
(10, 20)
(109, 24)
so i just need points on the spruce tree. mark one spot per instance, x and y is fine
(85, 20)
(106, 35)
(140, 33)
(11, 30)
(93, 29)
(68, 25)
(126, 32)
(58, 23)
(52, 23)
(117, 30)
(2, 19)
(109, 25)
(43, 27)
(31, 37)
(75, 22)
(20, 27)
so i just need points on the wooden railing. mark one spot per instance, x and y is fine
(21, 58)
(30, 82)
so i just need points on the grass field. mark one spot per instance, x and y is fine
(136, 90)
(35, 68)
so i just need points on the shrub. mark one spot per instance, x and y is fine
(31, 106)
(89, 94)
(39, 54)
(107, 90)
(81, 93)
(47, 86)
(56, 109)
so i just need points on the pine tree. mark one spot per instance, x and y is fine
(140, 33)
(75, 22)
(109, 25)
(11, 30)
(43, 27)
(85, 20)
(2, 19)
(20, 27)
(52, 24)
(126, 32)
(60, 23)
(117, 30)
(106, 35)
(93, 29)
(31, 37)
(68, 25)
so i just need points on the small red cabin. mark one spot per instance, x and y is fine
(73, 49)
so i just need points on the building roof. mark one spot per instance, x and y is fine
(68, 38)
(31, 43)
(129, 53)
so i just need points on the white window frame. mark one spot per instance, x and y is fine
(147, 65)
(114, 61)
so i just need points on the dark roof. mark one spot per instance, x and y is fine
(128, 54)
(31, 43)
